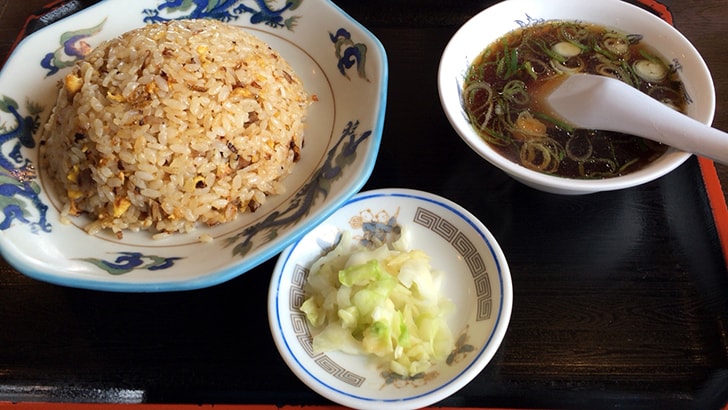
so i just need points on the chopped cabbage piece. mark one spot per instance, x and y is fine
(384, 302)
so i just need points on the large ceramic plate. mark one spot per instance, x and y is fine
(339, 61)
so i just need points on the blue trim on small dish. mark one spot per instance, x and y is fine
(442, 202)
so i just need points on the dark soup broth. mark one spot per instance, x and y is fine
(504, 86)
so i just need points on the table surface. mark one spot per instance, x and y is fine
(621, 298)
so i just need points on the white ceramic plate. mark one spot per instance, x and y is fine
(339, 61)
(478, 282)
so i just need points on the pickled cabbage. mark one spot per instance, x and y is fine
(383, 302)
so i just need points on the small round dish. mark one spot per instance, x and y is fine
(339, 61)
(478, 282)
(496, 21)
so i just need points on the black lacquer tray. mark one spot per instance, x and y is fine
(621, 298)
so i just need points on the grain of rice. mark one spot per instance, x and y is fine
(188, 121)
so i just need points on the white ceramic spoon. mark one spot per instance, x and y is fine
(604, 103)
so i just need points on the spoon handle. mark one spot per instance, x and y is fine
(603, 103)
(664, 124)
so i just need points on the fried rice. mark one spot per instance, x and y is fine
(173, 125)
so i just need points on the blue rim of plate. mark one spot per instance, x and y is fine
(267, 250)
(479, 362)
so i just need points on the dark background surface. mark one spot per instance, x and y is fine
(621, 298)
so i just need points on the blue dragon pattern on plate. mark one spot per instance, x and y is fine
(19, 190)
(129, 261)
(73, 47)
(338, 158)
(260, 11)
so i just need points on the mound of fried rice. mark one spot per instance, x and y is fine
(174, 124)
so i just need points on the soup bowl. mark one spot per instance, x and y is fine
(494, 22)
